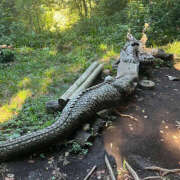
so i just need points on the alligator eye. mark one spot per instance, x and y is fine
(135, 44)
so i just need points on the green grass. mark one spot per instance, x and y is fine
(28, 83)
(173, 48)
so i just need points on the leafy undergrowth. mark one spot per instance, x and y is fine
(40, 75)
(28, 83)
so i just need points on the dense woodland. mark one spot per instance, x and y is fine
(38, 23)
(53, 41)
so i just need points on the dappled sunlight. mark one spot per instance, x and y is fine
(116, 137)
(63, 20)
(45, 83)
(103, 47)
(113, 141)
(177, 66)
(11, 109)
(24, 83)
(170, 137)
(60, 19)
(108, 55)
(53, 52)
(177, 62)
(47, 80)
(50, 72)
(173, 48)
(24, 50)
(74, 68)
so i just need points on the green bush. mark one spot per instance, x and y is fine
(162, 17)
(6, 56)
(110, 7)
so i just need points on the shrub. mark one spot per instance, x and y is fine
(6, 56)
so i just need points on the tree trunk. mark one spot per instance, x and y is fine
(84, 81)
(85, 8)
(78, 82)
(88, 81)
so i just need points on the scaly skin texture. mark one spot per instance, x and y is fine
(77, 110)
(81, 107)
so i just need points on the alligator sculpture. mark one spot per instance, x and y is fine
(81, 107)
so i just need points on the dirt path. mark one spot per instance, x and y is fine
(153, 140)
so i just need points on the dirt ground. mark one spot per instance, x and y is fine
(153, 140)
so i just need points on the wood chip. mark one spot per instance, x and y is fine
(90, 173)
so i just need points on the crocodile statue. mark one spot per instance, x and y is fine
(79, 109)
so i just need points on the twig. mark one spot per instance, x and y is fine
(126, 115)
(90, 173)
(109, 168)
(163, 171)
(131, 170)
(153, 177)
(178, 124)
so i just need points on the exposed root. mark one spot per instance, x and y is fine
(153, 177)
(131, 171)
(163, 171)
(126, 116)
(90, 173)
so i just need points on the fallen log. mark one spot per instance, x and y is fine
(132, 171)
(78, 82)
(157, 53)
(88, 81)
(58, 105)
(77, 111)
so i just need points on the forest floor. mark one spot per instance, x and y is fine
(153, 140)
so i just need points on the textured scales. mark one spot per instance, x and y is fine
(81, 107)
(76, 111)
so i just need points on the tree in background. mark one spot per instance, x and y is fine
(28, 22)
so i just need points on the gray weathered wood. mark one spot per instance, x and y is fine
(83, 82)
(109, 168)
(127, 68)
(88, 81)
(78, 82)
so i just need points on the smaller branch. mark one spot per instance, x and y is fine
(131, 171)
(163, 171)
(126, 115)
(87, 83)
(109, 168)
(153, 177)
(90, 173)
(79, 81)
